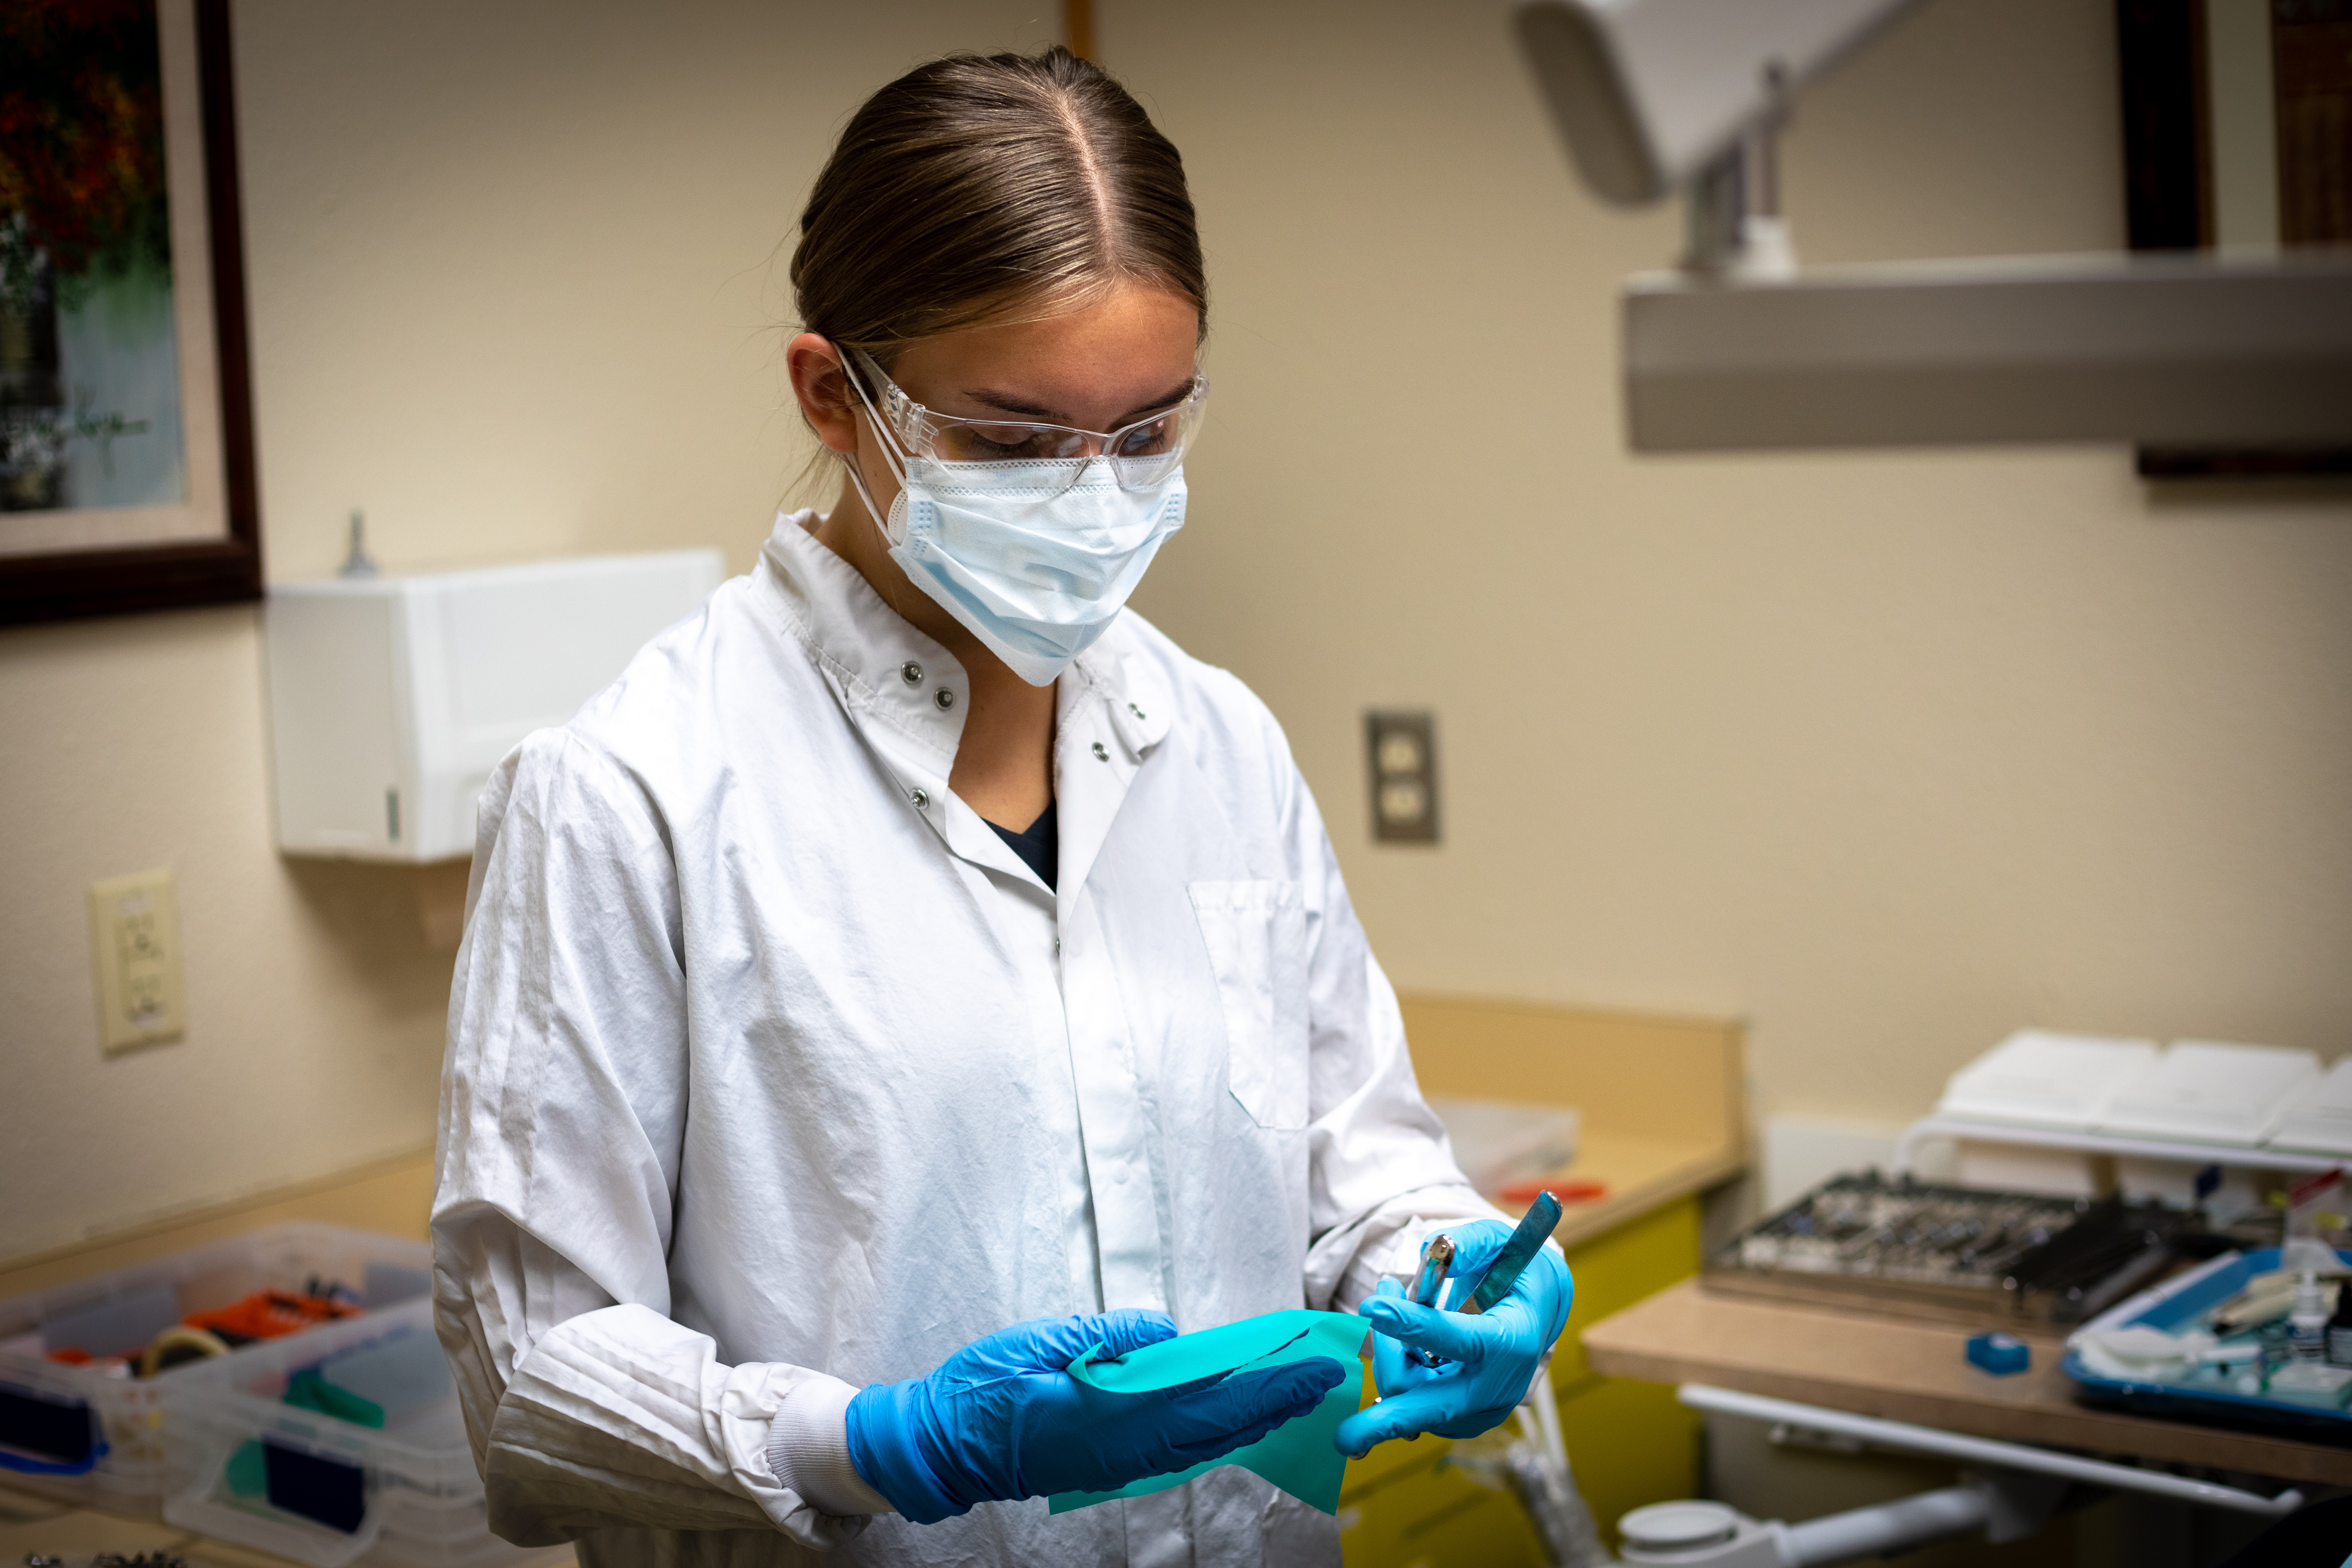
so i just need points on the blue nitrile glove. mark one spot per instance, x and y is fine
(1001, 1419)
(1490, 1358)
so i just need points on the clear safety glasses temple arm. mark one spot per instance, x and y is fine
(884, 434)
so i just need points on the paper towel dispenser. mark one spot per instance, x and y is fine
(391, 698)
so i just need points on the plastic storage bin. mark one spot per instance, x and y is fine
(372, 1469)
(95, 1438)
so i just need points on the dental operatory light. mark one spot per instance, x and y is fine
(1739, 348)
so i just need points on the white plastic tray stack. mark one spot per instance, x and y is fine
(248, 1467)
(94, 1437)
(2028, 1113)
(2321, 1121)
(1498, 1142)
(2203, 1091)
(2040, 1079)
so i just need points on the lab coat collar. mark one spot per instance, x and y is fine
(866, 650)
(1110, 715)
(1136, 700)
(1110, 709)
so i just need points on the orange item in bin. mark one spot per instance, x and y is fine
(269, 1315)
(1573, 1190)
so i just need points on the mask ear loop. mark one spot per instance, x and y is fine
(884, 438)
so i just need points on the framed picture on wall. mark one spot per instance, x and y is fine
(2236, 137)
(126, 424)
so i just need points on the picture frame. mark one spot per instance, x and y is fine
(2234, 138)
(161, 537)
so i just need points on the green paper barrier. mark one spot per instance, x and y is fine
(1298, 1456)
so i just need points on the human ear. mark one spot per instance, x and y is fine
(823, 388)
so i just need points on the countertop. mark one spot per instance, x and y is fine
(1901, 1370)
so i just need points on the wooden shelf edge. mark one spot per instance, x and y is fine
(2096, 1431)
(1737, 1022)
(17, 1271)
(1584, 1221)
(2070, 1426)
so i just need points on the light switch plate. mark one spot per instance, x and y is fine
(1401, 748)
(134, 938)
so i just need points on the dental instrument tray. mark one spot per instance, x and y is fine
(1956, 1255)
(2193, 1349)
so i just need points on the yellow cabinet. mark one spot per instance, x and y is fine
(1630, 1444)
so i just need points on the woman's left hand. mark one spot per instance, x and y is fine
(1490, 1358)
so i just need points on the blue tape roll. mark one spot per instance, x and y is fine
(2000, 1354)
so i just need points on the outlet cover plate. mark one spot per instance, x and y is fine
(134, 938)
(1402, 749)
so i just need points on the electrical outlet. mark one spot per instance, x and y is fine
(134, 938)
(1402, 749)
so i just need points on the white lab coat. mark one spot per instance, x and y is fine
(773, 1072)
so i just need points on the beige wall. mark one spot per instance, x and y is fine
(1890, 752)
(511, 292)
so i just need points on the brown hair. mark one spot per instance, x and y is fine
(979, 185)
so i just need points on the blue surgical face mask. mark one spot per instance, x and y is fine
(1036, 558)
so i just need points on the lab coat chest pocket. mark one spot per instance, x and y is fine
(1256, 937)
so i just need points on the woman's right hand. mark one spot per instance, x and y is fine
(1003, 1419)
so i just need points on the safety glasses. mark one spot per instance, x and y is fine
(1141, 454)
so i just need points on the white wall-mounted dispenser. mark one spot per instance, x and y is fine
(391, 699)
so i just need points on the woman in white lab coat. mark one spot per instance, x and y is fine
(915, 970)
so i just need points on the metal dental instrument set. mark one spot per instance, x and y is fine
(1958, 1254)
(1437, 1257)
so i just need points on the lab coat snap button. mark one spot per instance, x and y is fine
(1134, 709)
(921, 798)
(1102, 753)
(911, 673)
(943, 699)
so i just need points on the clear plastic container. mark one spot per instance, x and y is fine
(94, 1436)
(371, 1467)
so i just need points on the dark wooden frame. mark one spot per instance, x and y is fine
(67, 584)
(2169, 204)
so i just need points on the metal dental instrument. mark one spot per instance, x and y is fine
(1534, 1229)
(1436, 1261)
